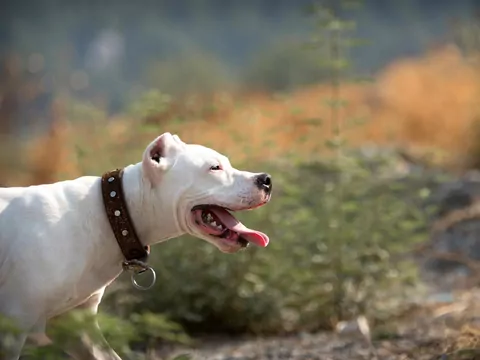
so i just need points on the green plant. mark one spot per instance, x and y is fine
(370, 216)
(149, 103)
(84, 112)
(120, 333)
(284, 66)
(189, 72)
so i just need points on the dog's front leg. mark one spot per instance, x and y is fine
(84, 348)
(11, 346)
(12, 342)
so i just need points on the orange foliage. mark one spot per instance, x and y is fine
(426, 102)
(52, 155)
(420, 102)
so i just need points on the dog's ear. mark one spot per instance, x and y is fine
(178, 140)
(155, 158)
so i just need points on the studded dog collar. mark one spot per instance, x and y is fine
(121, 223)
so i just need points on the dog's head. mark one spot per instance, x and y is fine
(204, 189)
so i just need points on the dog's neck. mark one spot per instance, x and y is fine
(154, 221)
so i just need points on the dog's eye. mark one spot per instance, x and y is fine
(215, 168)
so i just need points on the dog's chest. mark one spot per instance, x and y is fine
(75, 293)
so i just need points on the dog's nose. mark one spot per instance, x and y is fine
(264, 182)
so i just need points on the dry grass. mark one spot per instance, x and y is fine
(429, 102)
(421, 103)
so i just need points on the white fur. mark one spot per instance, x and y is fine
(58, 252)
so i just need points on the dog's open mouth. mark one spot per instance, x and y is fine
(219, 223)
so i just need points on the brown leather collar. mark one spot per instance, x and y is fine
(119, 218)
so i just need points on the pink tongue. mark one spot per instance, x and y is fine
(256, 237)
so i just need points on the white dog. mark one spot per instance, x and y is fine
(58, 251)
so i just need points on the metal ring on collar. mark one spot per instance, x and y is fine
(137, 285)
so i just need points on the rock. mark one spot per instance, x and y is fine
(451, 259)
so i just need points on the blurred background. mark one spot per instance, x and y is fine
(366, 114)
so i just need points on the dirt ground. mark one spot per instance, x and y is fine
(442, 329)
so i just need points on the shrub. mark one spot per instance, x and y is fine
(283, 67)
(122, 334)
(188, 72)
(334, 228)
(149, 103)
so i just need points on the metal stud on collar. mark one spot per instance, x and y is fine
(124, 231)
